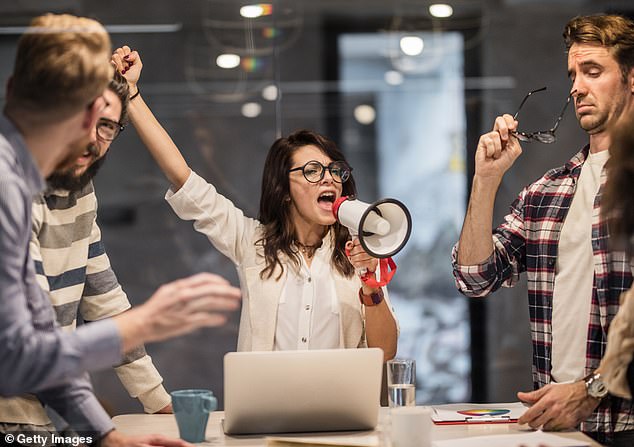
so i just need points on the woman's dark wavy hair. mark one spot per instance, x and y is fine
(617, 202)
(275, 203)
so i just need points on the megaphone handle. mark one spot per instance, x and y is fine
(362, 271)
(370, 279)
(384, 274)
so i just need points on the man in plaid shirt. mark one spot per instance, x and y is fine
(555, 233)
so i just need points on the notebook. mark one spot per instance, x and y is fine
(302, 391)
(462, 413)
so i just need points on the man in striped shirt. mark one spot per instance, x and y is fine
(73, 267)
(556, 234)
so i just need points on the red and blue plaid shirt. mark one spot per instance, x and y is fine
(527, 242)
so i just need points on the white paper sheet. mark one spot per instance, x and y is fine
(528, 439)
(348, 440)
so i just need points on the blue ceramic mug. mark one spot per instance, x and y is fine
(192, 408)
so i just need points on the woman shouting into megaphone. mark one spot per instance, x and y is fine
(295, 261)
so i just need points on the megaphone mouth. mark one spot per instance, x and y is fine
(375, 209)
(383, 227)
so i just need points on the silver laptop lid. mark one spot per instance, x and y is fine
(302, 391)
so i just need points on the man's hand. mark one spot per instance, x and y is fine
(558, 406)
(497, 150)
(128, 63)
(178, 308)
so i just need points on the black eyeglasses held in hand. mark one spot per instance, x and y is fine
(108, 129)
(542, 136)
(314, 171)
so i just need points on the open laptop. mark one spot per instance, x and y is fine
(302, 391)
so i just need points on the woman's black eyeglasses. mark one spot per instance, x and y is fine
(314, 171)
(542, 136)
(108, 129)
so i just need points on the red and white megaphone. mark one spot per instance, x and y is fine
(383, 227)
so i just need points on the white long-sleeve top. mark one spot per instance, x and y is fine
(235, 236)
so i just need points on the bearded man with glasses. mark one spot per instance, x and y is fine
(558, 236)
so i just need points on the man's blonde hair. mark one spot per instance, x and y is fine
(62, 64)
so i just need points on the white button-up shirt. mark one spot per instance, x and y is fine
(308, 310)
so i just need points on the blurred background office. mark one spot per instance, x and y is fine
(404, 86)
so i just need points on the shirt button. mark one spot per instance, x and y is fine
(310, 279)
(303, 339)
(307, 307)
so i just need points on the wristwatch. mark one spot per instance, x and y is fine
(595, 386)
(372, 299)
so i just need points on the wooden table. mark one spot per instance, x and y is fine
(165, 424)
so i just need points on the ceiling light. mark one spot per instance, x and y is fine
(393, 77)
(412, 45)
(228, 60)
(255, 11)
(251, 11)
(251, 109)
(441, 10)
(364, 114)
(269, 92)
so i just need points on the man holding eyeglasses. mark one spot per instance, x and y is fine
(73, 267)
(556, 234)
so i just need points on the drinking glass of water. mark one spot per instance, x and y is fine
(401, 382)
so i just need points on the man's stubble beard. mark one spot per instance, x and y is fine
(76, 149)
(66, 179)
(594, 126)
(600, 122)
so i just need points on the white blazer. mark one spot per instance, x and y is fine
(235, 236)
